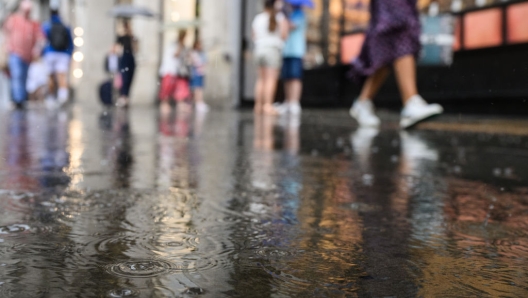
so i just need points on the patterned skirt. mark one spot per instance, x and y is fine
(393, 32)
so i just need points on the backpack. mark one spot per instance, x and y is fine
(59, 37)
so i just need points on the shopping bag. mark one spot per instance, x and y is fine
(437, 40)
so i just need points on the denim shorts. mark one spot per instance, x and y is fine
(197, 81)
(292, 68)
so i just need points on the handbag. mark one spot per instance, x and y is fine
(437, 40)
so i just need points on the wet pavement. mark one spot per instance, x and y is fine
(116, 204)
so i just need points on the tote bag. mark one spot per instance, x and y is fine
(437, 40)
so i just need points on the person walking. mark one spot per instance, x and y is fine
(24, 39)
(392, 39)
(128, 45)
(292, 66)
(270, 30)
(57, 56)
(175, 72)
(197, 77)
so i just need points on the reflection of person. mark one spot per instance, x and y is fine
(292, 67)
(57, 55)
(23, 40)
(270, 29)
(393, 38)
(127, 62)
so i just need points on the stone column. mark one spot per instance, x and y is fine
(148, 33)
(98, 36)
(220, 31)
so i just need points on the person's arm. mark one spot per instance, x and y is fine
(6, 28)
(118, 46)
(71, 46)
(135, 45)
(284, 28)
(40, 41)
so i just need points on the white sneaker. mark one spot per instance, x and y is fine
(363, 112)
(61, 101)
(50, 102)
(202, 107)
(416, 110)
(281, 108)
(294, 109)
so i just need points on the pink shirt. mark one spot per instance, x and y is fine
(23, 35)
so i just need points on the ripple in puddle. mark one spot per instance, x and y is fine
(152, 268)
(119, 293)
(141, 268)
(194, 291)
(13, 229)
(275, 253)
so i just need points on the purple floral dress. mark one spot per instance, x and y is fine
(393, 32)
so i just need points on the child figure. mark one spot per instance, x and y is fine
(37, 82)
(197, 77)
(175, 74)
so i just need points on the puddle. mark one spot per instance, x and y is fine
(238, 208)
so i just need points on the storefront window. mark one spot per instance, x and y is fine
(356, 15)
(176, 14)
(314, 55)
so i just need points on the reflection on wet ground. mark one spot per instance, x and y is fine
(124, 204)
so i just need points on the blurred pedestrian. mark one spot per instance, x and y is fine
(197, 77)
(24, 39)
(57, 55)
(129, 45)
(270, 30)
(175, 72)
(392, 39)
(292, 66)
(38, 80)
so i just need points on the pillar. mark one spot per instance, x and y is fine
(220, 30)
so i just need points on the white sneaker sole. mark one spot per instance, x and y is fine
(355, 115)
(408, 122)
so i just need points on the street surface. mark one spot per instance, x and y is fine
(117, 204)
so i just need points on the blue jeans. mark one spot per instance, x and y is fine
(19, 73)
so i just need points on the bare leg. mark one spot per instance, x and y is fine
(287, 91)
(259, 90)
(198, 95)
(270, 87)
(52, 86)
(405, 68)
(373, 84)
(295, 91)
(63, 92)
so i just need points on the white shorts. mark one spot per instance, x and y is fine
(268, 57)
(57, 62)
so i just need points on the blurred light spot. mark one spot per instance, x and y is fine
(78, 41)
(78, 31)
(78, 73)
(78, 56)
(175, 16)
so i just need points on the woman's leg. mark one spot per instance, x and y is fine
(259, 90)
(374, 83)
(270, 87)
(405, 68)
(165, 93)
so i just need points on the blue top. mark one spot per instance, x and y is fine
(46, 28)
(296, 43)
